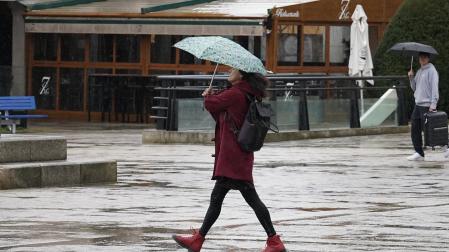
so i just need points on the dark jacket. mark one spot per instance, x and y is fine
(231, 104)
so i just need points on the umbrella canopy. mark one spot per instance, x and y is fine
(222, 51)
(360, 60)
(412, 49)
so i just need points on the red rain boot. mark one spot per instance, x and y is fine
(274, 244)
(193, 242)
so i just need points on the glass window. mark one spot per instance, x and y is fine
(162, 72)
(71, 89)
(100, 71)
(162, 50)
(128, 48)
(242, 40)
(44, 87)
(101, 48)
(257, 46)
(45, 46)
(373, 39)
(340, 37)
(263, 47)
(128, 71)
(289, 40)
(72, 47)
(99, 96)
(314, 45)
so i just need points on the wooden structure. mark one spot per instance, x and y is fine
(69, 40)
(321, 30)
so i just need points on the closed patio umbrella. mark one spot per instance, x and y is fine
(360, 60)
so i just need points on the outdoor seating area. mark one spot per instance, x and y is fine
(126, 96)
(10, 105)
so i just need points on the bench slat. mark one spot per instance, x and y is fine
(11, 107)
(17, 103)
(16, 97)
(23, 116)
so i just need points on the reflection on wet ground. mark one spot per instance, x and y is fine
(342, 194)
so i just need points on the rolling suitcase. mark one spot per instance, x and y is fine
(435, 129)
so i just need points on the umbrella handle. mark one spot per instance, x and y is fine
(212, 80)
(411, 64)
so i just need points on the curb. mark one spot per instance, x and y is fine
(62, 173)
(175, 137)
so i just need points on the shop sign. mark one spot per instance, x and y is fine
(284, 13)
(45, 89)
(344, 10)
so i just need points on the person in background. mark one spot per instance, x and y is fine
(425, 89)
(233, 169)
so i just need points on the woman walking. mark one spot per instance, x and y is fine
(233, 167)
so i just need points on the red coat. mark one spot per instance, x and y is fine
(230, 160)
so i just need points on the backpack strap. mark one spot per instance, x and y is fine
(275, 130)
(249, 97)
(234, 127)
(252, 98)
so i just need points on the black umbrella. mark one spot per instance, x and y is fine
(413, 49)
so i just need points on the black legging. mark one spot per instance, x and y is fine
(250, 195)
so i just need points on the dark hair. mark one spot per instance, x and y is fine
(257, 81)
(424, 54)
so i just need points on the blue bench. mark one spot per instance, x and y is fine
(10, 104)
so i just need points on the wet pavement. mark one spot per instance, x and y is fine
(341, 194)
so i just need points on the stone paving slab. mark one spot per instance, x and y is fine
(56, 173)
(29, 148)
(335, 194)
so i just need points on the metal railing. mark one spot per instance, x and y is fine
(120, 94)
(173, 87)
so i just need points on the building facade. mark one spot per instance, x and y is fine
(67, 42)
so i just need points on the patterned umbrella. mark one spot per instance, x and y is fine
(222, 51)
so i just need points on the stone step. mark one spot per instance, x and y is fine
(57, 173)
(30, 148)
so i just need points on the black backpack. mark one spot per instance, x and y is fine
(255, 126)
